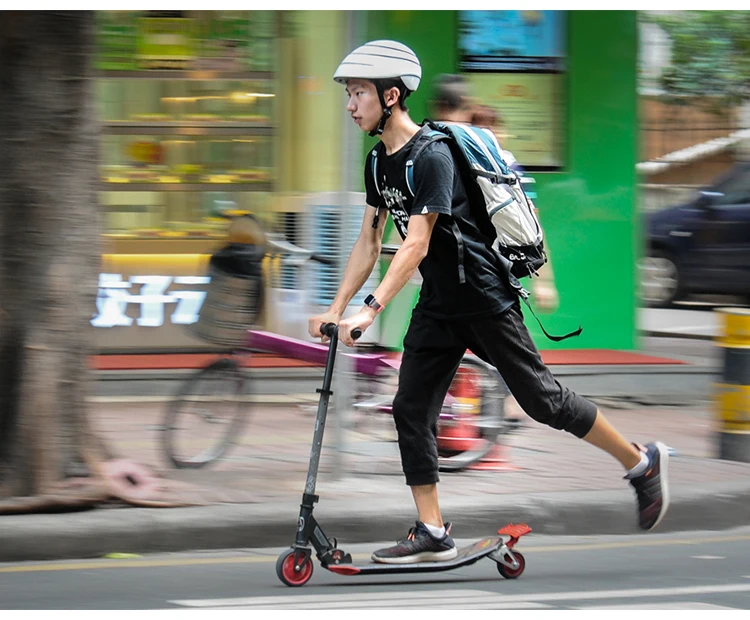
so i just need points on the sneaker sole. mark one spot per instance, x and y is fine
(663, 466)
(425, 556)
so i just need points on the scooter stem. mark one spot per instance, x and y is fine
(331, 330)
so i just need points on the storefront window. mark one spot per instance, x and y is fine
(182, 215)
(125, 102)
(185, 40)
(186, 101)
(171, 160)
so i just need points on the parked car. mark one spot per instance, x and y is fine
(701, 247)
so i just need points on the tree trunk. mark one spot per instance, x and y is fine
(50, 459)
(49, 260)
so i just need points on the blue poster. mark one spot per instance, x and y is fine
(530, 41)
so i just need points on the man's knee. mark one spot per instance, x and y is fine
(565, 411)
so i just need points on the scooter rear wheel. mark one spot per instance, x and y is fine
(512, 573)
(286, 573)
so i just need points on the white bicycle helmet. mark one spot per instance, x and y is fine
(381, 59)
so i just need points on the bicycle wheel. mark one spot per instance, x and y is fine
(206, 415)
(472, 416)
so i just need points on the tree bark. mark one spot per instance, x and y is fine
(50, 254)
(49, 259)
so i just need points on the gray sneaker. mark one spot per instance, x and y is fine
(419, 546)
(652, 488)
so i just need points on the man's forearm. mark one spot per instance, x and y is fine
(546, 274)
(358, 268)
(405, 263)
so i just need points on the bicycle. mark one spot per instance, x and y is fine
(219, 395)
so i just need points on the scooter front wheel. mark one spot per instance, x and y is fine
(285, 569)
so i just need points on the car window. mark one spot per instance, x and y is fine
(736, 188)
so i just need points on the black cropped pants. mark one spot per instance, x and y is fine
(433, 349)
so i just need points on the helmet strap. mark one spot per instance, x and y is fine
(383, 119)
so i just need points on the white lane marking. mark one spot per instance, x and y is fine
(708, 557)
(479, 599)
(649, 606)
(383, 597)
(434, 603)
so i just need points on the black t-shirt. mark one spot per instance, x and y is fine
(439, 188)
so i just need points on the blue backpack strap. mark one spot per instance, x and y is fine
(427, 138)
(374, 162)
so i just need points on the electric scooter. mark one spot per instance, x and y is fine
(294, 566)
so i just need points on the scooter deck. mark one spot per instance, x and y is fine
(466, 555)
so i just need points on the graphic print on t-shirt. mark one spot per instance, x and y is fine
(394, 200)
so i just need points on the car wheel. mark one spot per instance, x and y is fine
(659, 279)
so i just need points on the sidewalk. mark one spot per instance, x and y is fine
(667, 371)
(556, 483)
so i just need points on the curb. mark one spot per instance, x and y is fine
(666, 333)
(97, 532)
(658, 383)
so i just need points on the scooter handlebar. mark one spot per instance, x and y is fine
(328, 329)
(323, 260)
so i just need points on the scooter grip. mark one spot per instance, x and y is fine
(328, 330)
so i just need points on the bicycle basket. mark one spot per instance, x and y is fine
(234, 297)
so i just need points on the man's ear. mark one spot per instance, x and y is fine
(391, 96)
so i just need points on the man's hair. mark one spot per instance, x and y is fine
(451, 93)
(384, 84)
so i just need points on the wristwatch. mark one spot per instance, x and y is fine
(373, 303)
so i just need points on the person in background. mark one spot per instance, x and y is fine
(452, 102)
(486, 116)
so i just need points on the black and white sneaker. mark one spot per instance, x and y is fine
(419, 546)
(652, 488)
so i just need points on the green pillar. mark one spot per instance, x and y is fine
(589, 209)
(310, 129)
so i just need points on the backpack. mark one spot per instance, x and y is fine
(504, 203)
(496, 196)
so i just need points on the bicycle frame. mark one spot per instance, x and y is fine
(365, 364)
(368, 364)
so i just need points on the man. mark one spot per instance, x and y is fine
(457, 309)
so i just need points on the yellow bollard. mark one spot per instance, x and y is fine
(733, 392)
